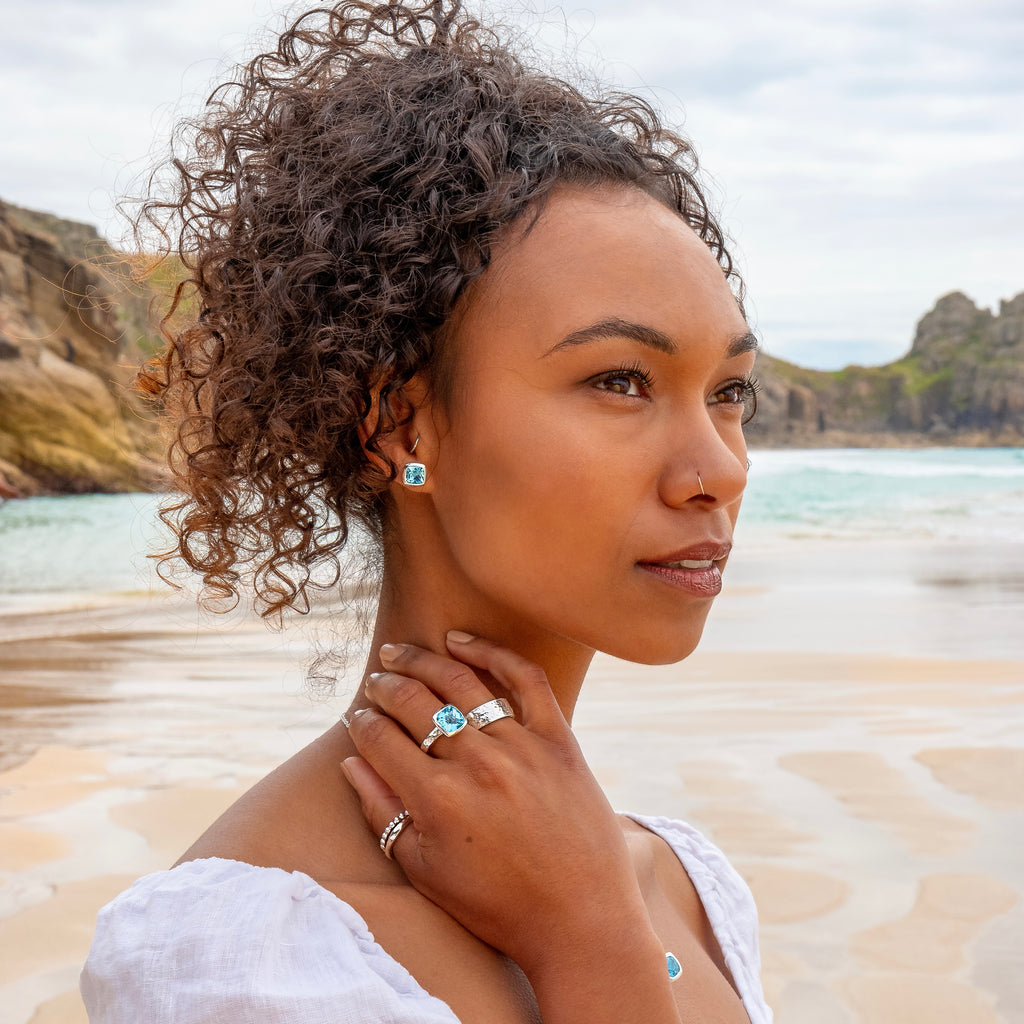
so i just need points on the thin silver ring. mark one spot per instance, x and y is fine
(391, 832)
(448, 721)
(490, 711)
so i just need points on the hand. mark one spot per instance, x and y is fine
(509, 832)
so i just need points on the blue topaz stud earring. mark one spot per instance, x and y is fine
(414, 474)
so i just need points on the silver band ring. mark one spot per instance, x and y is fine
(391, 832)
(447, 722)
(490, 711)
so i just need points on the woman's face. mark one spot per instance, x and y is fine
(602, 364)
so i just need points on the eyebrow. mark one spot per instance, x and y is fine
(742, 344)
(651, 337)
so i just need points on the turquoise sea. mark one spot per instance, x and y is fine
(97, 543)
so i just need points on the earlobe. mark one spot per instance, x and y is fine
(407, 413)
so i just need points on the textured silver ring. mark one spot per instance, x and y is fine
(391, 832)
(447, 722)
(490, 711)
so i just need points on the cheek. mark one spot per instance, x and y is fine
(528, 490)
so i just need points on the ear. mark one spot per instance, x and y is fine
(409, 407)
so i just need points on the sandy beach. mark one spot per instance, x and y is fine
(850, 732)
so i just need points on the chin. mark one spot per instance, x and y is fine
(663, 649)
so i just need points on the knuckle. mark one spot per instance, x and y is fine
(487, 771)
(533, 677)
(461, 677)
(404, 692)
(446, 790)
(371, 729)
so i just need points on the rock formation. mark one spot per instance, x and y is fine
(74, 328)
(961, 383)
(72, 331)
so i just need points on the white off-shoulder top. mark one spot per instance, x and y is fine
(222, 942)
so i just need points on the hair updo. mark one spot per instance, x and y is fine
(336, 199)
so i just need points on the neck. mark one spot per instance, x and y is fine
(420, 602)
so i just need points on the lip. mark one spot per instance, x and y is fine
(707, 550)
(698, 581)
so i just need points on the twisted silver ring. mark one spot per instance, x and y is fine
(447, 722)
(391, 832)
(490, 711)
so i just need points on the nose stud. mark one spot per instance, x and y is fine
(699, 484)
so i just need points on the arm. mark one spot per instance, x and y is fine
(511, 834)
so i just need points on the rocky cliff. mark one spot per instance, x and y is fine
(73, 329)
(961, 383)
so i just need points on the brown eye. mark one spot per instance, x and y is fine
(739, 392)
(633, 382)
(620, 385)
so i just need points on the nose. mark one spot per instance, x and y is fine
(705, 466)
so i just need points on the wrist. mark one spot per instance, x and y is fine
(566, 938)
(606, 979)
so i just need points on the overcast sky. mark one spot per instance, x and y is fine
(868, 156)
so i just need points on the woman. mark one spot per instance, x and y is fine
(447, 298)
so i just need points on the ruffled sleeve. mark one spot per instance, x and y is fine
(222, 942)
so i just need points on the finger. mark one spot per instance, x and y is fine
(410, 703)
(388, 749)
(525, 680)
(381, 805)
(378, 799)
(452, 681)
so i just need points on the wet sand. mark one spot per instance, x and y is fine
(850, 733)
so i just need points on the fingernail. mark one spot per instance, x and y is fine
(376, 675)
(389, 652)
(458, 637)
(345, 771)
(359, 711)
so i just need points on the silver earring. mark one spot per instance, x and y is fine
(699, 484)
(415, 473)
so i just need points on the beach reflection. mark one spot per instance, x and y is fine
(849, 732)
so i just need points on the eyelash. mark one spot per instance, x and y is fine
(749, 387)
(634, 372)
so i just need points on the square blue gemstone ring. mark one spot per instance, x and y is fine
(450, 720)
(447, 722)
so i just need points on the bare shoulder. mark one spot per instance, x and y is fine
(303, 816)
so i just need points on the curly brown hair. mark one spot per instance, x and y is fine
(337, 197)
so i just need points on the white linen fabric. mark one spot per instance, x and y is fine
(221, 942)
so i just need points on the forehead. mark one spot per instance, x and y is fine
(603, 253)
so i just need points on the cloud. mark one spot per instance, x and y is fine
(867, 155)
